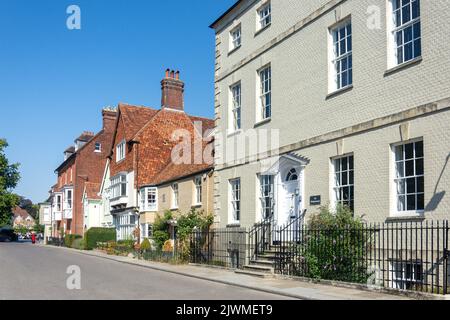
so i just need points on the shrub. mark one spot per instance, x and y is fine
(160, 237)
(335, 247)
(70, 238)
(95, 235)
(145, 245)
(78, 244)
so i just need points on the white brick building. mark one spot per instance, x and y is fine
(345, 82)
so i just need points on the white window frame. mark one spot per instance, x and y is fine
(235, 114)
(235, 192)
(69, 204)
(175, 195)
(264, 16)
(336, 58)
(117, 184)
(236, 38)
(120, 151)
(264, 111)
(59, 203)
(400, 279)
(337, 180)
(396, 212)
(98, 147)
(267, 195)
(198, 186)
(392, 29)
(145, 199)
(145, 231)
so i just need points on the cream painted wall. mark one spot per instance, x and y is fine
(302, 108)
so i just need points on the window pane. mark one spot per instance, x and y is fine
(401, 203)
(420, 184)
(401, 188)
(409, 151)
(399, 153)
(411, 185)
(409, 168)
(400, 169)
(411, 202)
(420, 202)
(419, 167)
(419, 149)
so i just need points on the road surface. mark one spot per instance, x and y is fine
(36, 272)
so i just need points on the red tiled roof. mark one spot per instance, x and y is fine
(157, 136)
(92, 190)
(18, 211)
(134, 118)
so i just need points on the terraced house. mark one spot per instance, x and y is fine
(145, 178)
(356, 93)
(83, 166)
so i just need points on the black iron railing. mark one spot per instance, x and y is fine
(219, 247)
(397, 255)
(54, 241)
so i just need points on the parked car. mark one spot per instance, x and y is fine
(7, 235)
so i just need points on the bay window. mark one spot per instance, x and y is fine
(149, 199)
(119, 186)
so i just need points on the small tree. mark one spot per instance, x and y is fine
(161, 229)
(9, 177)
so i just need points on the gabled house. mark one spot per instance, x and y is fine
(22, 218)
(142, 156)
(83, 163)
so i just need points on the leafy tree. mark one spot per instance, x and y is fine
(28, 206)
(9, 177)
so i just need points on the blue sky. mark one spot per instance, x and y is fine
(54, 81)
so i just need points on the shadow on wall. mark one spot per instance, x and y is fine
(437, 196)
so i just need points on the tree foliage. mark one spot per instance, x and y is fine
(336, 247)
(9, 177)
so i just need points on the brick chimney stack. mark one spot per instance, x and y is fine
(109, 115)
(172, 91)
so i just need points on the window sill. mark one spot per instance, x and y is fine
(413, 216)
(402, 66)
(197, 205)
(262, 122)
(262, 30)
(234, 225)
(339, 92)
(234, 50)
(234, 133)
(174, 209)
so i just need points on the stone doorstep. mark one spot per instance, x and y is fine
(323, 283)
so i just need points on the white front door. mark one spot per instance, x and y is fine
(290, 199)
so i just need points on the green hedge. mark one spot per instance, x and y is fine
(70, 238)
(96, 235)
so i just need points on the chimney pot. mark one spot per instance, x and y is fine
(172, 74)
(177, 75)
(167, 73)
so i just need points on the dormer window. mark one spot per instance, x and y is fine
(120, 151)
(98, 147)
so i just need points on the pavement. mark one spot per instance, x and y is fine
(244, 284)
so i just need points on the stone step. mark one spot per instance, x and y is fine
(259, 268)
(254, 274)
(263, 262)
